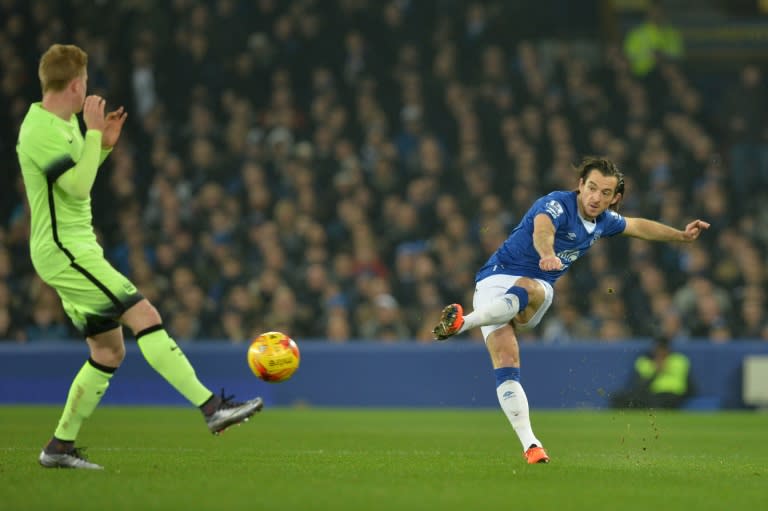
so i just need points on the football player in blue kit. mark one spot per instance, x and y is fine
(513, 289)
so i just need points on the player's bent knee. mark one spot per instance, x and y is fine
(536, 292)
(522, 296)
(142, 316)
(532, 316)
(111, 355)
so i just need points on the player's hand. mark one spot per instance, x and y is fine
(93, 113)
(113, 127)
(550, 263)
(693, 229)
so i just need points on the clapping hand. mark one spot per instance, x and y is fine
(113, 126)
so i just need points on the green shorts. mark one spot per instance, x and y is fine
(94, 294)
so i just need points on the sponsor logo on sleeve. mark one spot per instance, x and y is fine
(554, 208)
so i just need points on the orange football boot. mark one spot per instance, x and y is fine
(536, 454)
(451, 320)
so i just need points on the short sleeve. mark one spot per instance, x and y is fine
(615, 223)
(552, 208)
(48, 151)
(45, 147)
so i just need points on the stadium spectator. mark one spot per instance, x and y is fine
(566, 324)
(744, 113)
(46, 321)
(271, 130)
(385, 322)
(9, 331)
(661, 378)
(653, 41)
(753, 324)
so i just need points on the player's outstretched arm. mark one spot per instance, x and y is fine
(656, 231)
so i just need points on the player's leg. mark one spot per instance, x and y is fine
(107, 352)
(523, 298)
(501, 341)
(162, 352)
(165, 357)
(505, 356)
(513, 296)
(93, 309)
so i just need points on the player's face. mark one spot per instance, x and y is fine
(596, 194)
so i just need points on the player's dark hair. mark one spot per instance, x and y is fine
(607, 168)
(59, 65)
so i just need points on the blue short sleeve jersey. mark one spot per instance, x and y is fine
(517, 256)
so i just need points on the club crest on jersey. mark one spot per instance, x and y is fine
(554, 208)
(595, 237)
(568, 256)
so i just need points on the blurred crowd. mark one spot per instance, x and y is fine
(340, 169)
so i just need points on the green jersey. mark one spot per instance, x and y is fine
(58, 165)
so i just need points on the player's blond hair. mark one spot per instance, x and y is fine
(61, 64)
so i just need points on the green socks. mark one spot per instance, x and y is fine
(165, 357)
(86, 391)
(92, 381)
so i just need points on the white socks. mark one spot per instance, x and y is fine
(500, 310)
(515, 405)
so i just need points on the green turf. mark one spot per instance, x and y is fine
(316, 459)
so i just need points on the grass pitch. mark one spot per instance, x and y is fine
(328, 459)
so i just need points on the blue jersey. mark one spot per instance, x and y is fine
(517, 256)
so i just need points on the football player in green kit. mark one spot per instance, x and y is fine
(59, 167)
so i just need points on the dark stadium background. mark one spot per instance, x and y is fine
(339, 169)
